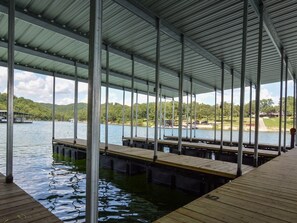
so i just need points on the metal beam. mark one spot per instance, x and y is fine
(172, 117)
(94, 107)
(10, 93)
(191, 112)
(132, 102)
(60, 29)
(44, 55)
(123, 115)
(250, 113)
(222, 106)
(258, 87)
(232, 107)
(242, 87)
(54, 106)
(149, 16)
(147, 112)
(136, 114)
(286, 103)
(66, 76)
(180, 102)
(31, 51)
(75, 104)
(281, 104)
(270, 30)
(106, 98)
(157, 85)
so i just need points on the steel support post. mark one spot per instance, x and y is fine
(172, 124)
(191, 111)
(93, 129)
(222, 106)
(281, 103)
(232, 106)
(106, 98)
(258, 86)
(180, 94)
(187, 116)
(157, 85)
(123, 114)
(295, 103)
(147, 110)
(250, 113)
(160, 118)
(10, 92)
(54, 107)
(215, 118)
(132, 103)
(136, 114)
(286, 103)
(195, 115)
(75, 102)
(164, 117)
(242, 88)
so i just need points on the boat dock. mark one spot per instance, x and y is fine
(193, 174)
(226, 142)
(17, 206)
(204, 149)
(266, 194)
(201, 165)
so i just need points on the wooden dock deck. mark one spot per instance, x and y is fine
(201, 165)
(17, 206)
(206, 146)
(226, 142)
(266, 194)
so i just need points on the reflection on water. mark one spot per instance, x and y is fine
(60, 185)
(121, 198)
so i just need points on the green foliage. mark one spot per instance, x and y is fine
(204, 112)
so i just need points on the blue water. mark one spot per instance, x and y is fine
(60, 185)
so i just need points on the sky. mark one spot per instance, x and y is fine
(39, 88)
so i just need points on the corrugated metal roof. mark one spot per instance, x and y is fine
(56, 35)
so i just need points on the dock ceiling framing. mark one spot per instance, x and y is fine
(52, 36)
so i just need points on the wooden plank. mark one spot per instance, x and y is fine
(208, 166)
(266, 194)
(211, 147)
(17, 206)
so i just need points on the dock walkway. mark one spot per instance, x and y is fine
(206, 146)
(201, 165)
(17, 206)
(266, 194)
(227, 142)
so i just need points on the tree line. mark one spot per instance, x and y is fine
(204, 112)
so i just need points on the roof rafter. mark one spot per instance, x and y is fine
(271, 31)
(149, 16)
(55, 27)
(30, 51)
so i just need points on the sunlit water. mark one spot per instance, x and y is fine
(60, 186)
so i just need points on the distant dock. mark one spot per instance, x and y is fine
(203, 149)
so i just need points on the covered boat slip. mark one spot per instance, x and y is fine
(166, 49)
(212, 167)
(266, 194)
(19, 207)
(200, 146)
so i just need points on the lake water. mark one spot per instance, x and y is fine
(60, 185)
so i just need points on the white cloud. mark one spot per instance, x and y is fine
(3, 79)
